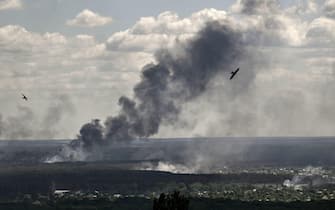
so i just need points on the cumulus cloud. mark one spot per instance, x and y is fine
(87, 18)
(260, 21)
(151, 33)
(52, 61)
(329, 8)
(14, 37)
(255, 6)
(10, 4)
(271, 24)
(304, 8)
(321, 31)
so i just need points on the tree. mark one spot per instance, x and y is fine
(173, 201)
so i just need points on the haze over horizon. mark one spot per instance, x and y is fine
(74, 59)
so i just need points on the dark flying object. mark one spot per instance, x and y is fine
(24, 97)
(233, 73)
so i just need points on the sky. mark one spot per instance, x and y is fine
(74, 59)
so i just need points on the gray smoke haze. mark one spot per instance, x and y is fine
(25, 124)
(177, 77)
(310, 177)
(60, 107)
(330, 9)
(19, 125)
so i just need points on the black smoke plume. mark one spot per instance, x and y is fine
(178, 76)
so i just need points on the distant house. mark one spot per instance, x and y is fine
(61, 193)
(117, 195)
(37, 203)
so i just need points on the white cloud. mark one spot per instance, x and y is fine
(269, 23)
(152, 33)
(269, 26)
(321, 31)
(18, 39)
(255, 6)
(10, 4)
(87, 18)
(52, 61)
(329, 8)
(309, 7)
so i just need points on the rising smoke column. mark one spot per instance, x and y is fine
(165, 86)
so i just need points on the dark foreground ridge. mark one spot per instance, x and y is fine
(147, 204)
(87, 177)
(105, 185)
